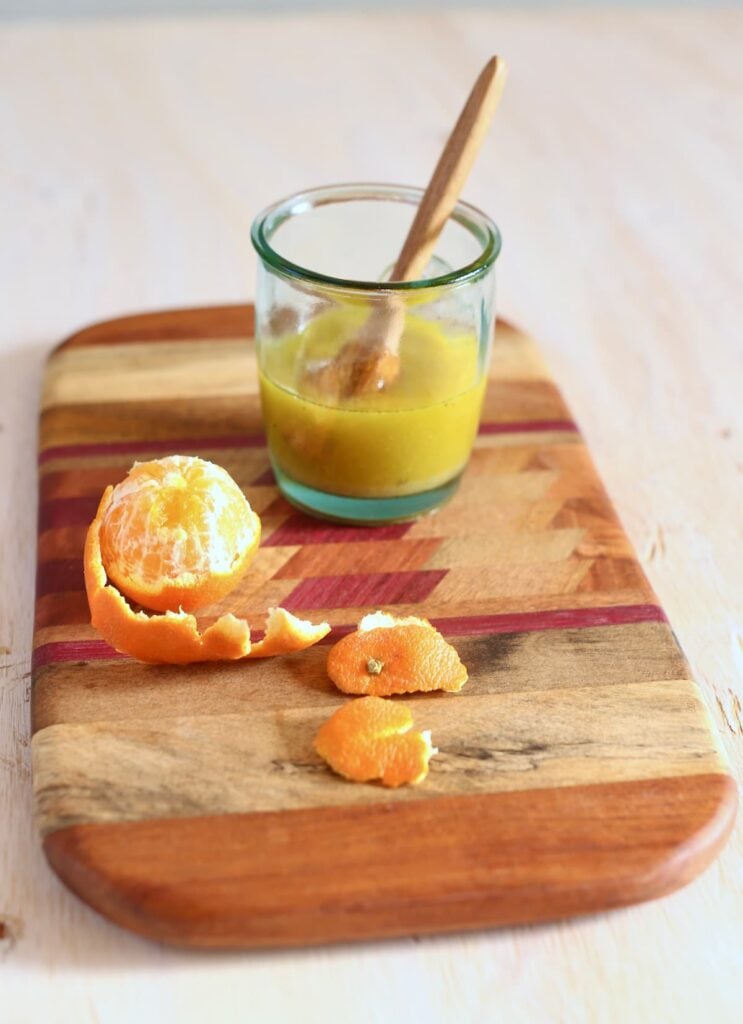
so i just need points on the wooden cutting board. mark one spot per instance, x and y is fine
(578, 769)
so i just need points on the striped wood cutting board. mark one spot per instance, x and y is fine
(578, 768)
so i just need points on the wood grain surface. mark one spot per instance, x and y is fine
(135, 155)
(457, 863)
(579, 699)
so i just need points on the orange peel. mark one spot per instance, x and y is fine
(373, 738)
(174, 637)
(388, 655)
(285, 633)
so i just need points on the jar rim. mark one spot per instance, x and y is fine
(272, 217)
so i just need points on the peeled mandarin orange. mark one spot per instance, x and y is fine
(387, 655)
(372, 738)
(174, 637)
(177, 533)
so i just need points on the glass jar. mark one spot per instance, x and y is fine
(371, 388)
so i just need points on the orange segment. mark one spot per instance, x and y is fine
(177, 533)
(174, 637)
(387, 656)
(371, 739)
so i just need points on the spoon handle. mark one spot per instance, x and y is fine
(451, 172)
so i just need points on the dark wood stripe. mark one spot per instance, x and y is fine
(168, 420)
(168, 325)
(273, 879)
(266, 479)
(198, 323)
(78, 481)
(60, 512)
(180, 446)
(59, 575)
(498, 663)
(64, 609)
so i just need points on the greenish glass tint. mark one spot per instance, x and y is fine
(396, 450)
(362, 511)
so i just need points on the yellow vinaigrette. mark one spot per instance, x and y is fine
(414, 435)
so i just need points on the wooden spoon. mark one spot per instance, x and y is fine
(371, 361)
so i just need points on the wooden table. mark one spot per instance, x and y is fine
(134, 156)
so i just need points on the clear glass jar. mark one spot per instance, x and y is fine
(371, 389)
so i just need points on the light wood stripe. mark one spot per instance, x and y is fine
(516, 356)
(486, 503)
(208, 369)
(507, 548)
(150, 370)
(135, 770)
(523, 400)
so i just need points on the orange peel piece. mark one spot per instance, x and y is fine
(373, 738)
(286, 633)
(388, 655)
(174, 637)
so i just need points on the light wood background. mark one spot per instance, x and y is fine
(132, 160)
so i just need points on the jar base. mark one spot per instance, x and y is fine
(363, 511)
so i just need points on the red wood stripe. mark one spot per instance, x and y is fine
(182, 445)
(529, 427)
(464, 625)
(58, 576)
(532, 622)
(364, 589)
(67, 512)
(59, 651)
(563, 618)
(429, 865)
(266, 479)
(303, 529)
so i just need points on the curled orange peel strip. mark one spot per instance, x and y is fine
(286, 633)
(173, 637)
